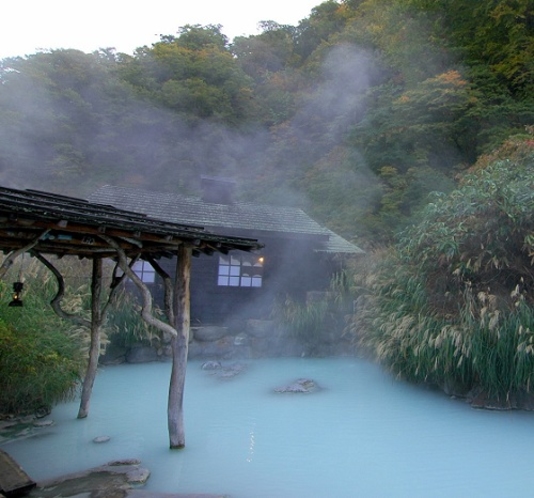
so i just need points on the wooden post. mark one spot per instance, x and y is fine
(94, 350)
(180, 343)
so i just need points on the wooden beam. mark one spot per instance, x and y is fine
(13, 480)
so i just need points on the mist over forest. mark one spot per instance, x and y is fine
(356, 114)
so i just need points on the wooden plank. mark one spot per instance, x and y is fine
(13, 480)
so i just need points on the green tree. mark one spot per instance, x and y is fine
(499, 34)
(193, 74)
(325, 20)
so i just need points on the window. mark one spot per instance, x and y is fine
(240, 270)
(145, 271)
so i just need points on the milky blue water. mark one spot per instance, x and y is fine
(364, 435)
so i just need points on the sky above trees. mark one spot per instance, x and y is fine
(34, 25)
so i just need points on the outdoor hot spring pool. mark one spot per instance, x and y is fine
(363, 435)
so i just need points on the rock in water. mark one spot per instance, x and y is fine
(211, 365)
(299, 386)
(101, 439)
(221, 371)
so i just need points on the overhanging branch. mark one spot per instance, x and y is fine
(146, 310)
(168, 289)
(8, 262)
(56, 301)
(116, 282)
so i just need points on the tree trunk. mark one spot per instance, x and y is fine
(94, 351)
(180, 344)
(13, 255)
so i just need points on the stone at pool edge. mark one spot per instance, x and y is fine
(113, 479)
(12, 428)
(43, 423)
(118, 479)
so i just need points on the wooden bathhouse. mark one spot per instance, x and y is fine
(299, 255)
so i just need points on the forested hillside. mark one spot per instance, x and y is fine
(355, 114)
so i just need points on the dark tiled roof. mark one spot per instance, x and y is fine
(236, 216)
(66, 225)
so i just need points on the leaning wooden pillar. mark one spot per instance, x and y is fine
(94, 350)
(180, 343)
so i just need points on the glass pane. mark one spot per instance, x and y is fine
(223, 281)
(235, 260)
(246, 282)
(234, 281)
(148, 277)
(138, 267)
(235, 270)
(256, 281)
(224, 260)
(247, 263)
(224, 270)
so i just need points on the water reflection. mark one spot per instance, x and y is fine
(251, 443)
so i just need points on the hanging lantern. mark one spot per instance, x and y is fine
(17, 292)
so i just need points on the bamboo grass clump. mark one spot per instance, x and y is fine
(452, 303)
(41, 356)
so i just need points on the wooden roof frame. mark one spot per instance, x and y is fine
(59, 225)
(46, 223)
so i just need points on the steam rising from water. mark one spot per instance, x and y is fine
(70, 141)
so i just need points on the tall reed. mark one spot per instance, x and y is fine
(452, 302)
(316, 320)
(125, 326)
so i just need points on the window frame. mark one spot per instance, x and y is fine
(240, 270)
(145, 271)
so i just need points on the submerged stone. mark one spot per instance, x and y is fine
(299, 386)
(211, 365)
(227, 371)
(101, 439)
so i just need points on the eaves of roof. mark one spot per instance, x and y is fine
(338, 245)
(65, 225)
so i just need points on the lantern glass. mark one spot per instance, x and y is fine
(17, 292)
